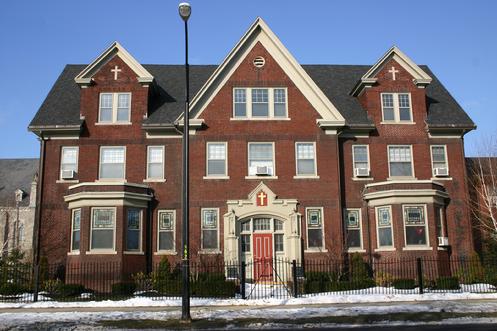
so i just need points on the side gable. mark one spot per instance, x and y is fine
(420, 77)
(85, 77)
(260, 32)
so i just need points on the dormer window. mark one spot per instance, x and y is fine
(396, 107)
(114, 108)
(259, 103)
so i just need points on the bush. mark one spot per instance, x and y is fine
(123, 288)
(404, 284)
(143, 282)
(359, 269)
(71, 290)
(447, 283)
(214, 288)
(383, 279)
(52, 286)
(11, 289)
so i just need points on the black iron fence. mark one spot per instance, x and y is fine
(271, 278)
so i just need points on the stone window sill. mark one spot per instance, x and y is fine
(419, 248)
(315, 250)
(133, 253)
(73, 253)
(154, 180)
(306, 177)
(112, 123)
(102, 252)
(440, 178)
(362, 178)
(216, 177)
(356, 250)
(206, 252)
(261, 177)
(67, 181)
(166, 253)
(385, 249)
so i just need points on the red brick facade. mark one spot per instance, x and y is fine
(334, 189)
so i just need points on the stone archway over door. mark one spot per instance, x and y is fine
(262, 202)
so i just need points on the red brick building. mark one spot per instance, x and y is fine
(287, 160)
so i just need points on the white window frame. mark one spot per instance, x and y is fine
(140, 235)
(413, 175)
(359, 212)
(249, 176)
(248, 99)
(446, 159)
(353, 158)
(416, 247)
(100, 164)
(225, 176)
(313, 175)
(209, 250)
(246, 233)
(73, 212)
(62, 159)
(396, 109)
(105, 250)
(156, 179)
(378, 246)
(314, 249)
(173, 230)
(115, 98)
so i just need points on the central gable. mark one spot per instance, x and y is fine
(260, 34)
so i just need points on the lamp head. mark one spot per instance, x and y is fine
(185, 10)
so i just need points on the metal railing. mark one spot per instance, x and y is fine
(270, 278)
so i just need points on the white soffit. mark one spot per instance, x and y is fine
(260, 32)
(86, 75)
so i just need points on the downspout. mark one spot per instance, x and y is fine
(37, 225)
(341, 192)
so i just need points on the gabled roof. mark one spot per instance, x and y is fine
(16, 174)
(369, 78)
(115, 49)
(260, 32)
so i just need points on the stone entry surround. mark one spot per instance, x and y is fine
(282, 209)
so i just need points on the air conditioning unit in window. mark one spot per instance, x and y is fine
(361, 172)
(443, 241)
(439, 172)
(68, 174)
(263, 171)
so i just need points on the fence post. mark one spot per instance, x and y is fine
(243, 280)
(420, 275)
(36, 282)
(294, 276)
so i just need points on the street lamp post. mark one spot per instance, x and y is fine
(185, 11)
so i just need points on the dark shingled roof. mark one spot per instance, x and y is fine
(61, 107)
(16, 174)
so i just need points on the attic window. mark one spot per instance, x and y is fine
(259, 62)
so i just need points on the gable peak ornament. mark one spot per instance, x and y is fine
(116, 70)
(261, 199)
(393, 71)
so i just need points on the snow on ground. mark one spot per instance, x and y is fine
(265, 313)
(337, 297)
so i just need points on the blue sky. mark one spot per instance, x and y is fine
(457, 39)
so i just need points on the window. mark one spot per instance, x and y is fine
(210, 229)
(353, 225)
(400, 161)
(133, 230)
(245, 235)
(166, 223)
(384, 227)
(314, 228)
(112, 162)
(262, 224)
(114, 108)
(261, 158)
(155, 162)
(278, 236)
(278, 225)
(262, 103)
(216, 159)
(439, 160)
(75, 229)
(360, 159)
(68, 161)
(415, 225)
(102, 229)
(306, 159)
(396, 107)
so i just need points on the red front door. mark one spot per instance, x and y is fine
(263, 256)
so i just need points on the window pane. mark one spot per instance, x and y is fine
(354, 238)
(103, 219)
(260, 151)
(209, 239)
(102, 239)
(360, 154)
(69, 155)
(216, 167)
(76, 226)
(133, 240)
(278, 243)
(133, 230)
(105, 115)
(112, 160)
(240, 103)
(279, 103)
(315, 238)
(415, 235)
(245, 242)
(166, 220)
(209, 219)
(75, 240)
(438, 153)
(400, 169)
(216, 151)
(278, 225)
(262, 224)
(385, 236)
(400, 154)
(404, 114)
(166, 241)
(105, 107)
(155, 170)
(305, 151)
(388, 110)
(305, 167)
(112, 171)
(245, 226)
(260, 105)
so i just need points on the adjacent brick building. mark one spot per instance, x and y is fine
(287, 160)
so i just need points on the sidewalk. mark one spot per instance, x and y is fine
(280, 316)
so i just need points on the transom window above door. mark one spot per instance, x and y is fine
(260, 103)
